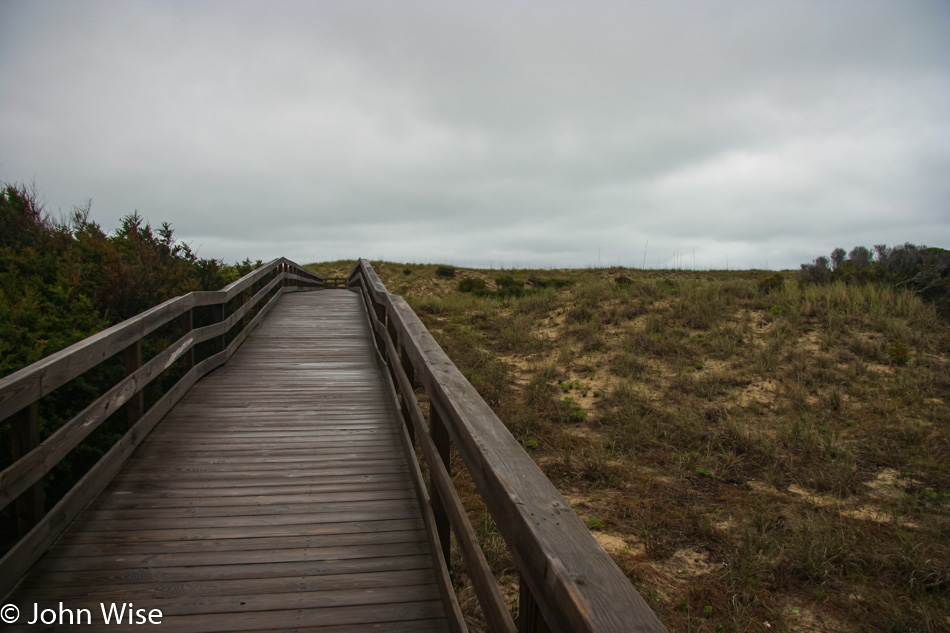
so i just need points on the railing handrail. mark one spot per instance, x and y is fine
(21, 391)
(34, 381)
(572, 580)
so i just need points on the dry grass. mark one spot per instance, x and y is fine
(748, 456)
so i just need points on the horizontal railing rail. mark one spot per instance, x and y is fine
(568, 582)
(235, 311)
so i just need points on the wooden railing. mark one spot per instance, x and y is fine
(568, 582)
(233, 312)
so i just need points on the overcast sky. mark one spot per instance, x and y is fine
(706, 134)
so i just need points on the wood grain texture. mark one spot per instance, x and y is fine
(445, 499)
(274, 496)
(575, 583)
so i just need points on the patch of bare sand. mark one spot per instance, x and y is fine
(577, 500)
(761, 321)
(761, 394)
(883, 488)
(810, 342)
(805, 620)
(619, 544)
(425, 287)
(883, 370)
(815, 498)
(686, 563)
(522, 369)
(612, 542)
(760, 486)
(885, 485)
(585, 432)
(717, 366)
(552, 325)
(586, 388)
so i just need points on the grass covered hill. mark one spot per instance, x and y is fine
(749, 450)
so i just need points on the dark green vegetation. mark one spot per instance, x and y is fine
(62, 281)
(925, 271)
(748, 448)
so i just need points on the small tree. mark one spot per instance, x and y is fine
(838, 257)
(815, 273)
(861, 257)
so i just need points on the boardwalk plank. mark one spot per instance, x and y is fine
(274, 496)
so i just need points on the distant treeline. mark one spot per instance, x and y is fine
(64, 279)
(925, 270)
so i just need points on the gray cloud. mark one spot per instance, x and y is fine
(566, 134)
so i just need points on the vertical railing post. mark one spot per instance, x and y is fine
(135, 407)
(219, 311)
(187, 325)
(380, 312)
(530, 619)
(405, 398)
(394, 337)
(24, 437)
(404, 401)
(443, 445)
(407, 366)
(248, 295)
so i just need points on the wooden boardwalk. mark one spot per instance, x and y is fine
(275, 496)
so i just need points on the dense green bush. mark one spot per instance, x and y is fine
(508, 286)
(445, 271)
(471, 284)
(923, 269)
(772, 283)
(554, 282)
(62, 281)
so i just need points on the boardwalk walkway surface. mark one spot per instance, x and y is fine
(275, 496)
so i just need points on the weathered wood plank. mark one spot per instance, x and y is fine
(252, 491)
(576, 584)
(242, 532)
(313, 509)
(443, 579)
(445, 501)
(302, 599)
(28, 470)
(230, 557)
(214, 573)
(354, 616)
(70, 548)
(143, 591)
(24, 438)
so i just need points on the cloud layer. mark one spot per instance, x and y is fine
(670, 134)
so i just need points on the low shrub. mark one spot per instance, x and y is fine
(508, 286)
(772, 283)
(471, 284)
(550, 283)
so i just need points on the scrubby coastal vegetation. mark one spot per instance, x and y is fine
(755, 450)
(62, 280)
